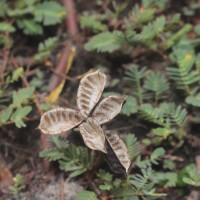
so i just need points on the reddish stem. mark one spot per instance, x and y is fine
(60, 68)
(71, 21)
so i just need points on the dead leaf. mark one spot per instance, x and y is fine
(108, 108)
(5, 173)
(55, 93)
(117, 154)
(59, 120)
(93, 135)
(89, 92)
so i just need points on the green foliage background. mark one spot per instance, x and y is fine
(161, 78)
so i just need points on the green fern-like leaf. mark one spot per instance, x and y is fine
(22, 96)
(167, 179)
(167, 115)
(149, 3)
(184, 76)
(140, 181)
(144, 183)
(193, 100)
(45, 48)
(161, 134)
(19, 114)
(107, 182)
(157, 84)
(5, 115)
(103, 42)
(175, 38)
(57, 152)
(175, 114)
(92, 22)
(134, 76)
(154, 115)
(52, 154)
(59, 142)
(84, 194)
(133, 145)
(130, 106)
(6, 27)
(153, 29)
(77, 160)
(125, 193)
(192, 176)
(156, 154)
(30, 27)
(139, 17)
(49, 12)
(17, 74)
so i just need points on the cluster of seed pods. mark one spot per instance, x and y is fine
(89, 117)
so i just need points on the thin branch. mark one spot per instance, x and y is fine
(62, 67)
(94, 188)
(71, 21)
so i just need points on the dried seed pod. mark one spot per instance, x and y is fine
(108, 108)
(113, 161)
(89, 92)
(117, 153)
(59, 120)
(93, 135)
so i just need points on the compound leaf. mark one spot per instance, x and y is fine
(19, 114)
(193, 100)
(49, 12)
(30, 27)
(130, 106)
(45, 48)
(103, 42)
(52, 154)
(86, 195)
(6, 27)
(133, 146)
(5, 114)
(22, 96)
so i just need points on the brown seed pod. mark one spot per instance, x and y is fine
(108, 108)
(59, 120)
(93, 135)
(118, 148)
(89, 92)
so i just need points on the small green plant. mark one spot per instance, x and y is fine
(30, 15)
(84, 194)
(75, 160)
(142, 28)
(153, 87)
(78, 160)
(18, 109)
(191, 175)
(44, 48)
(18, 185)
